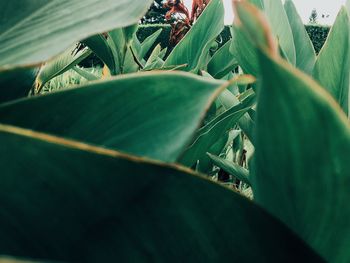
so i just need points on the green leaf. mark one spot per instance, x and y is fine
(59, 65)
(301, 172)
(15, 84)
(80, 203)
(305, 53)
(118, 42)
(204, 164)
(244, 51)
(154, 61)
(34, 31)
(86, 74)
(148, 43)
(333, 63)
(222, 62)
(145, 114)
(100, 46)
(247, 124)
(257, 3)
(235, 170)
(250, 30)
(280, 26)
(213, 131)
(194, 47)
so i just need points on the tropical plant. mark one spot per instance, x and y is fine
(153, 159)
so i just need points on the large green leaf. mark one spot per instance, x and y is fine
(16, 84)
(34, 31)
(280, 26)
(301, 172)
(305, 53)
(194, 47)
(333, 63)
(59, 65)
(147, 114)
(64, 200)
(222, 61)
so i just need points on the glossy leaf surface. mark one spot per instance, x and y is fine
(148, 114)
(34, 31)
(87, 204)
(302, 156)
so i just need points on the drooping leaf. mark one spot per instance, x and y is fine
(145, 114)
(194, 47)
(86, 74)
(81, 203)
(60, 64)
(222, 62)
(302, 156)
(304, 50)
(333, 63)
(237, 171)
(34, 31)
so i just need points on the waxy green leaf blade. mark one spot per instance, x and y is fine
(222, 61)
(280, 26)
(147, 114)
(81, 203)
(302, 156)
(305, 53)
(35, 31)
(230, 167)
(60, 64)
(333, 63)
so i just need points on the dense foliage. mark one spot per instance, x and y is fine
(318, 34)
(156, 13)
(202, 153)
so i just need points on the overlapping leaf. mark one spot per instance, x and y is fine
(222, 61)
(34, 31)
(304, 50)
(148, 114)
(80, 203)
(333, 63)
(59, 65)
(193, 49)
(302, 159)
